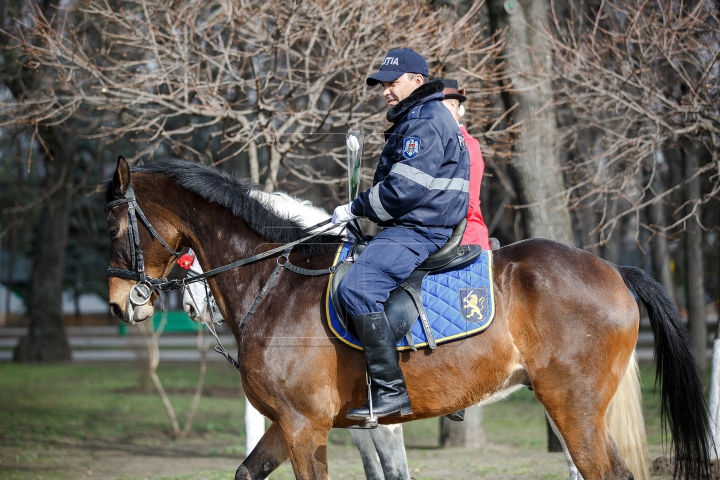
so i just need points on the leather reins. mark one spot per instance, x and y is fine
(141, 291)
(138, 262)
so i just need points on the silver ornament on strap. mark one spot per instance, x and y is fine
(140, 294)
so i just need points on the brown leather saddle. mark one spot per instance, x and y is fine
(404, 306)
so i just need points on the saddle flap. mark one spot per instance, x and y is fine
(457, 302)
(399, 308)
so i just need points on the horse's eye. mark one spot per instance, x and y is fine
(113, 231)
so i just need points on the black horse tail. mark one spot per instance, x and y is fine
(683, 406)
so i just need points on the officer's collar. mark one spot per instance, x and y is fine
(424, 90)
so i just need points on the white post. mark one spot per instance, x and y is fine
(714, 404)
(254, 427)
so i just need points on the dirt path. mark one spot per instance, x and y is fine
(198, 458)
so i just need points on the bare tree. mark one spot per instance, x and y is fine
(641, 75)
(46, 338)
(695, 282)
(254, 80)
(529, 95)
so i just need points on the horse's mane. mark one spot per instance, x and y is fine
(276, 217)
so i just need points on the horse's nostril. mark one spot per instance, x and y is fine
(116, 310)
(190, 310)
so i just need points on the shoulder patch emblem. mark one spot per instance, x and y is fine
(411, 147)
(461, 141)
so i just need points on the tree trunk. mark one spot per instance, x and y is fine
(587, 221)
(254, 163)
(694, 280)
(658, 219)
(46, 338)
(273, 169)
(467, 434)
(535, 157)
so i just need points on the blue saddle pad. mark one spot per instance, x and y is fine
(458, 303)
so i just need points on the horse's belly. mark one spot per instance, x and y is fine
(516, 379)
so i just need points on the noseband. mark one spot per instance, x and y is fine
(140, 293)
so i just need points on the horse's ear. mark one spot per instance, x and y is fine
(121, 177)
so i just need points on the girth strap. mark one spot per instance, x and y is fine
(423, 315)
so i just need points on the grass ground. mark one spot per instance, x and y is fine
(69, 421)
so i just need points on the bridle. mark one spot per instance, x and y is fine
(141, 291)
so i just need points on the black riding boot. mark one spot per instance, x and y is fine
(389, 394)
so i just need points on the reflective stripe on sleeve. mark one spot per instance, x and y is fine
(422, 178)
(380, 211)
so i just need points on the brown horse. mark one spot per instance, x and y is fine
(566, 325)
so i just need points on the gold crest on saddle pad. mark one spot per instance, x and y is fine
(473, 303)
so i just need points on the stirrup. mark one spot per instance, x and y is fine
(458, 416)
(370, 421)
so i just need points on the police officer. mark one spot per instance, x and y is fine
(419, 193)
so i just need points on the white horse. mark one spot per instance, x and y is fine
(382, 449)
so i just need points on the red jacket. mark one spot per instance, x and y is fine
(476, 233)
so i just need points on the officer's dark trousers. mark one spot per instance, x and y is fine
(384, 264)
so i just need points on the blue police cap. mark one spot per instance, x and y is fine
(397, 62)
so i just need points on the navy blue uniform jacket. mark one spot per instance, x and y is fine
(422, 178)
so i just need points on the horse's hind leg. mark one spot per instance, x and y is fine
(591, 449)
(580, 420)
(368, 453)
(626, 425)
(267, 455)
(574, 473)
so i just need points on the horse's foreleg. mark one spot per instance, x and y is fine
(306, 443)
(390, 446)
(267, 455)
(382, 451)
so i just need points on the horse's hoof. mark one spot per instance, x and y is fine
(242, 473)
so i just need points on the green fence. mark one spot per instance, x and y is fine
(177, 322)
